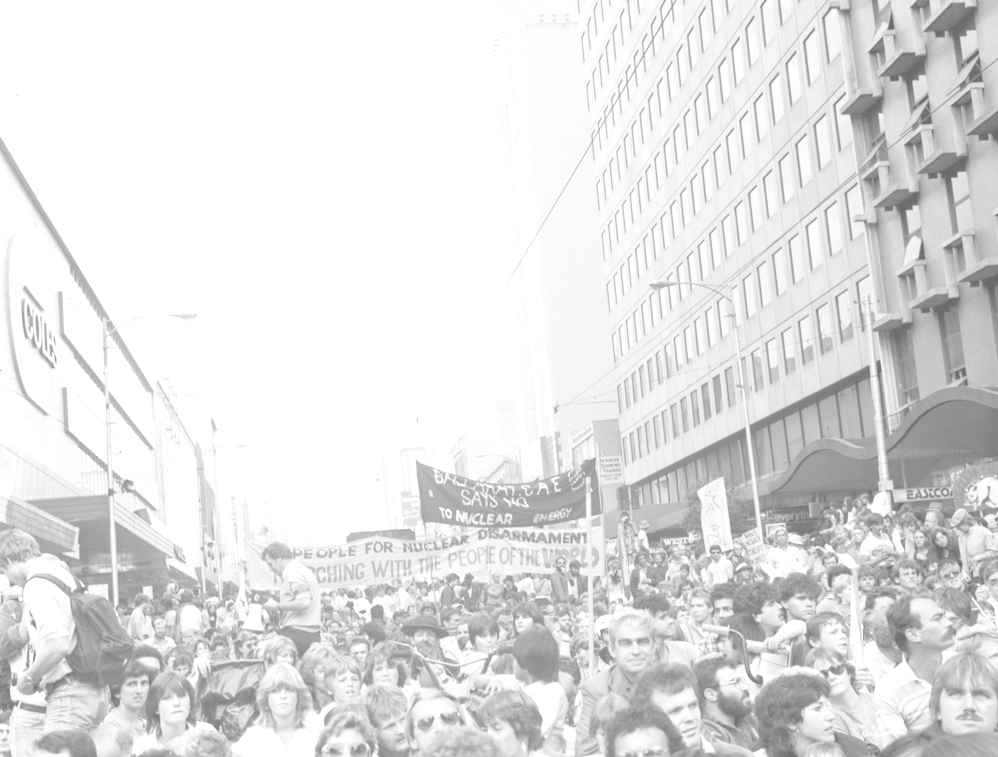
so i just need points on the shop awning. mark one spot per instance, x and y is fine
(90, 513)
(667, 517)
(943, 430)
(182, 570)
(16, 513)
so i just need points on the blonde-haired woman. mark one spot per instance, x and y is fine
(286, 724)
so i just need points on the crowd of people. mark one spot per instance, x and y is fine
(875, 635)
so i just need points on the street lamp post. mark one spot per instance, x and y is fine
(108, 330)
(657, 285)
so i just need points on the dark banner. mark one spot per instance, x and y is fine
(449, 498)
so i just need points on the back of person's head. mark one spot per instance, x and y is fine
(604, 711)
(879, 592)
(900, 619)
(752, 597)
(668, 678)
(956, 602)
(277, 646)
(797, 583)
(536, 651)
(384, 703)
(277, 551)
(641, 718)
(205, 743)
(653, 604)
(17, 546)
(461, 742)
(76, 742)
(911, 744)
(374, 631)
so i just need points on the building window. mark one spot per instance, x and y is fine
(780, 269)
(761, 117)
(833, 44)
(748, 295)
(730, 387)
(755, 208)
(705, 398)
(724, 77)
(806, 331)
(772, 361)
(804, 159)
(752, 40)
(953, 359)
(844, 123)
(776, 97)
(741, 223)
(812, 57)
(772, 199)
(695, 408)
(825, 340)
(684, 413)
(834, 224)
(724, 316)
(789, 351)
(757, 371)
(674, 412)
(843, 308)
(738, 60)
(718, 397)
(813, 231)
(796, 258)
(767, 11)
(854, 207)
(787, 177)
(907, 376)
(823, 141)
(765, 285)
(793, 78)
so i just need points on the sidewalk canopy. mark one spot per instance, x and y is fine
(90, 514)
(941, 431)
(45, 526)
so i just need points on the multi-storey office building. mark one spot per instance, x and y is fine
(781, 163)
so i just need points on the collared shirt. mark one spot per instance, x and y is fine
(745, 734)
(878, 663)
(902, 703)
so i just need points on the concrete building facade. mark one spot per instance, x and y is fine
(775, 166)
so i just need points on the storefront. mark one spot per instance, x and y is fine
(53, 440)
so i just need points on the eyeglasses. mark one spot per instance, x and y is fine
(739, 682)
(425, 724)
(834, 670)
(646, 753)
(344, 750)
(948, 576)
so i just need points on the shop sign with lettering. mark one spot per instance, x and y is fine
(923, 494)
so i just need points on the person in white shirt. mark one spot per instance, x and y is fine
(783, 558)
(719, 569)
(383, 599)
(286, 725)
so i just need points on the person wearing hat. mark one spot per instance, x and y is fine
(783, 557)
(743, 573)
(424, 628)
(977, 543)
(643, 536)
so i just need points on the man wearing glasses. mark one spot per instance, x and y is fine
(672, 688)
(431, 712)
(725, 703)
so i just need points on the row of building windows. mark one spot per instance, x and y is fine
(846, 413)
(819, 236)
(796, 344)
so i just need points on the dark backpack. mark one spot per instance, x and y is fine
(102, 645)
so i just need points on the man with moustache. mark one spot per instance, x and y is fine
(922, 632)
(964, 695)
(725, 705)
(633, 649)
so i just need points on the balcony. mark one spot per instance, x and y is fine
(862, 102)
(897, 60)
(948, 15)
(886, 322)
(913, 271)
(976, 270)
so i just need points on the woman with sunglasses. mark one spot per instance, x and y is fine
(286, 724)
(431, 711)
(349, 734)
(854, 707)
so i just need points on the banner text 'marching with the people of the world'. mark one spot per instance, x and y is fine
(479, 551)
(448, 498)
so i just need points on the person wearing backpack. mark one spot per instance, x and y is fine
(50, 630)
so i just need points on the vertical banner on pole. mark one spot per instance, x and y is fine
(714, 518)
(592, 580)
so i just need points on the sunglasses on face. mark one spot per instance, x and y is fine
(948, 576)
(834, 670)
(647, 753)
(343, 750)
(447, 718)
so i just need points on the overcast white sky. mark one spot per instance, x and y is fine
(318, 181)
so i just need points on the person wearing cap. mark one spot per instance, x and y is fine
(977, 543)
(719, 569)
(424, 628)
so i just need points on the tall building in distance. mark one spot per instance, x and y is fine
(773, 166)
(565, 364)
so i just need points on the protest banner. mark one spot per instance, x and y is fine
(448, 498)
(714, 518)
(755, 547)
(380, 560)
